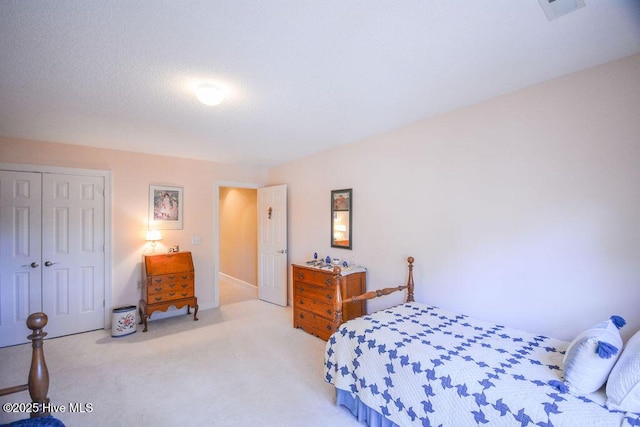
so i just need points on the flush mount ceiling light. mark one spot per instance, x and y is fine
(209, 94)
(556, 8)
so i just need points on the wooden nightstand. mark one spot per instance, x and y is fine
(314, 295)
(167, 280)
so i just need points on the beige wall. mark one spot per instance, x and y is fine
(132, 174)
(239, 234)
(522, 210)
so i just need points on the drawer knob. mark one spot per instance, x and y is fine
(301, 316)
(158, 289)
(301, 302)
(158, 298)
(185, 294)
(328, 281)
(158, 280)
(300, 276)
(329, 296)
(171, 285)
(329, 327)
(172, 294)
(329, 311)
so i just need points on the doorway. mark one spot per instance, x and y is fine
(237, 244)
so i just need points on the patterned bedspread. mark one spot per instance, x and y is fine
(421, 365)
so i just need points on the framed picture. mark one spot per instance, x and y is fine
(165, 207)
(341, 200)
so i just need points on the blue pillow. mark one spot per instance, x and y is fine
(591, 356)
(623, 386)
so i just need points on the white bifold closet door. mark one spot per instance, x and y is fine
(51, 253)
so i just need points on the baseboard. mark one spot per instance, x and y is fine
(237, 281)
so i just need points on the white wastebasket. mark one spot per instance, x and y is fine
(123, 321)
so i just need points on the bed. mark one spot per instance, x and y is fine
(415, 364)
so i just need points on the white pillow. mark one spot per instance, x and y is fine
(623, 387)
(591, 356)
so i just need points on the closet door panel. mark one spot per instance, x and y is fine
(20, 263)
(73, 252)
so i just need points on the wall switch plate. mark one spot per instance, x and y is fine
(195, 240)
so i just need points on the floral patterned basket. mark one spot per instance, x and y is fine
(123, 321)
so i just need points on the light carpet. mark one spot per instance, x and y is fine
(242, 364)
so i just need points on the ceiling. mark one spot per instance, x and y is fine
(301, 76)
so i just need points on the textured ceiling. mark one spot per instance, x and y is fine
(301, 76)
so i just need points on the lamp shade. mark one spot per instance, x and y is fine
(154, 235)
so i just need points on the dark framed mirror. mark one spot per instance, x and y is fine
(341, 214)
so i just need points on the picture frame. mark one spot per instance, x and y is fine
(166, 207)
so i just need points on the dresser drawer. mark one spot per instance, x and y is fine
(162, 288)
(319, 278)
(319, 307)
(312, 323)
(170, 295)
(167, 279)
(324, 293)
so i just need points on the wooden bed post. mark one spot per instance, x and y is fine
(410, 280)
(337, 308)
(38, 374)
(38, 384)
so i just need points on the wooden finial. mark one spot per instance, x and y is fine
(37, 322)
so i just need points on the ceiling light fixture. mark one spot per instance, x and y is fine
(556, 8)
(209, 94)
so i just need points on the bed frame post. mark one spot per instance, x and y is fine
(410, 280)
(337, 308)
(38, 384)
(38, 374)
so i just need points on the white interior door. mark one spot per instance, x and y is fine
(272, 244)
(51, 253)
(20, 260)
(73, 253)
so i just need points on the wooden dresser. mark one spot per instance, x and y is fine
(314, 295)
(167, 280)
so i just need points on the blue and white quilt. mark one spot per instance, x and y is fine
(421, 365)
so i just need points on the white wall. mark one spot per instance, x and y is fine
(522, 210)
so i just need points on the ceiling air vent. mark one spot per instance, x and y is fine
(556, 8)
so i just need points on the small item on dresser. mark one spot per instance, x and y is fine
(328, 259)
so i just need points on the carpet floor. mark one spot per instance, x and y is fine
(242, 364)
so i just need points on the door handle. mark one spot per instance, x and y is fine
(32, 265)
(49, 263)
(282, 251)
